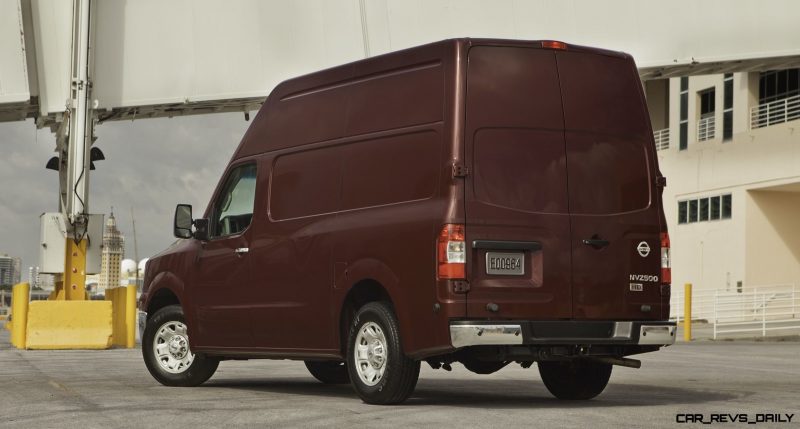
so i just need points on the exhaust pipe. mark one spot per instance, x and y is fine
(630, 363)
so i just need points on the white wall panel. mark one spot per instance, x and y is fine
(156, 52)
(160, 52)
(52, 27)
(13, 68)
(657, 33)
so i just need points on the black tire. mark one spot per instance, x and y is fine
(400, 373)
(575, 380)
(328, 371)
(196, 373)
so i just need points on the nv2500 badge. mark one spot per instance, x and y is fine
(644, 278)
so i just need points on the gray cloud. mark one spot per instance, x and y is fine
(150, 165)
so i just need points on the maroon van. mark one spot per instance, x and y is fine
(486, 202)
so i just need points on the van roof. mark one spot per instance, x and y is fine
(332, 75)
(261, 136)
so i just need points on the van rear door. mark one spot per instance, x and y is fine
(613, 199)
(516, 202)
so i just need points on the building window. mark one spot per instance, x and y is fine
(683, 141)
(727, 108)
(778, 97)
(704, 209)
(706, 125)
(703, 214)
(714, 212)
(778, 84)
(706, 102)
(682, 216)
(726, 207)
(692, 211)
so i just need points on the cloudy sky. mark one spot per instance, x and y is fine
(150, 165)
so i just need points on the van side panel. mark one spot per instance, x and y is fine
(392, 202)
(517, 190)
(360, 165)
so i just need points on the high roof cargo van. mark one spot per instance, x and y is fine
(482, 202)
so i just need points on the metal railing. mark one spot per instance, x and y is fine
(662, 139)
(775, 112)
(758, 310)
(706, 128)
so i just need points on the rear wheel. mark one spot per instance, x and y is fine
(379, 371)
(328, 372)
(575, 379)
(166, 352)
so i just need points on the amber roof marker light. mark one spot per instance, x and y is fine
(554, 44)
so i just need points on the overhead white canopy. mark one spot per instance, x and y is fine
(175, 57)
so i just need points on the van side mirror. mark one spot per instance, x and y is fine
(182, 227)
(201, 229)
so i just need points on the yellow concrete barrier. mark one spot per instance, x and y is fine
(20, 298)
(687, 312)
(123, 302)
(68, 325)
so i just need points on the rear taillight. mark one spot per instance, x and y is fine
(451, 252)
(554, 44)
(666, 267)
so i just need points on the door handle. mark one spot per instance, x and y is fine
(596, 243)
(241, 250)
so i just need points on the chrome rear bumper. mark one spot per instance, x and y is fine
(480, 333)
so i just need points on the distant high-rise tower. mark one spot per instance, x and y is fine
(113, 252)
(10, 267)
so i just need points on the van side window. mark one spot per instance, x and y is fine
(233, 209)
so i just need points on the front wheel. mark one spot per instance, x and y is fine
(166, 352)
(575, 379)
(379, 370)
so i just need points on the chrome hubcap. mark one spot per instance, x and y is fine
(171, 347)
(370, 353)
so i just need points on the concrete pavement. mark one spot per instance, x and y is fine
(112, 388)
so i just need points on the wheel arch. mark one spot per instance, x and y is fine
(165, 289)
(361, 293)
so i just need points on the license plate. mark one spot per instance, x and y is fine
(505, 264)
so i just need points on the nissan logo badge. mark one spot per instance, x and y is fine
(643, 248)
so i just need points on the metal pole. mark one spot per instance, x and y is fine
(79, 117)
(715, 314)
(687, 312)
(763, 315)
(20, 298)
(79, 141)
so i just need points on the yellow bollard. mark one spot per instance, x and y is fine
(130, 316)
(687, 312)
(20, 297)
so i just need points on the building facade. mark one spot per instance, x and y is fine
(10, 270)
(729, 146)
(113, 253)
